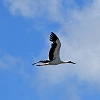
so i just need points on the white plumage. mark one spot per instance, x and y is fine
(54, 58)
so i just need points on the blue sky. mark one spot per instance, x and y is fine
(25, 26)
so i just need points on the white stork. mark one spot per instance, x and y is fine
(54, 58)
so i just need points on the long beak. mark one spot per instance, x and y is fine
(73, 62)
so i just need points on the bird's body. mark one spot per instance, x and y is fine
(55, 61)
(54, 58)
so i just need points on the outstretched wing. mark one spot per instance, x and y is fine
(55, 47)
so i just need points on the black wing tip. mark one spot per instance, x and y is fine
(53, 34)
(53, 37)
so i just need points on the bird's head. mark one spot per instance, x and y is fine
(69, 61)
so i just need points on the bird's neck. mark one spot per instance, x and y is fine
(66, 61)
(69, 62)
(63, 62)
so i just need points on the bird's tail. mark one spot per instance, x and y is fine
(35, 63)
(41, 61)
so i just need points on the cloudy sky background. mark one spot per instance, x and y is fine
(25, 26)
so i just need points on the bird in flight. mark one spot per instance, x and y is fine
(54, 58)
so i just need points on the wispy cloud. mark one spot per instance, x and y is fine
(15, 65)
(8, 61)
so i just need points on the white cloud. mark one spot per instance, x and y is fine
(36, 8)
(85, 42)
(32, 8)
(80, 44)
(26, 8)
